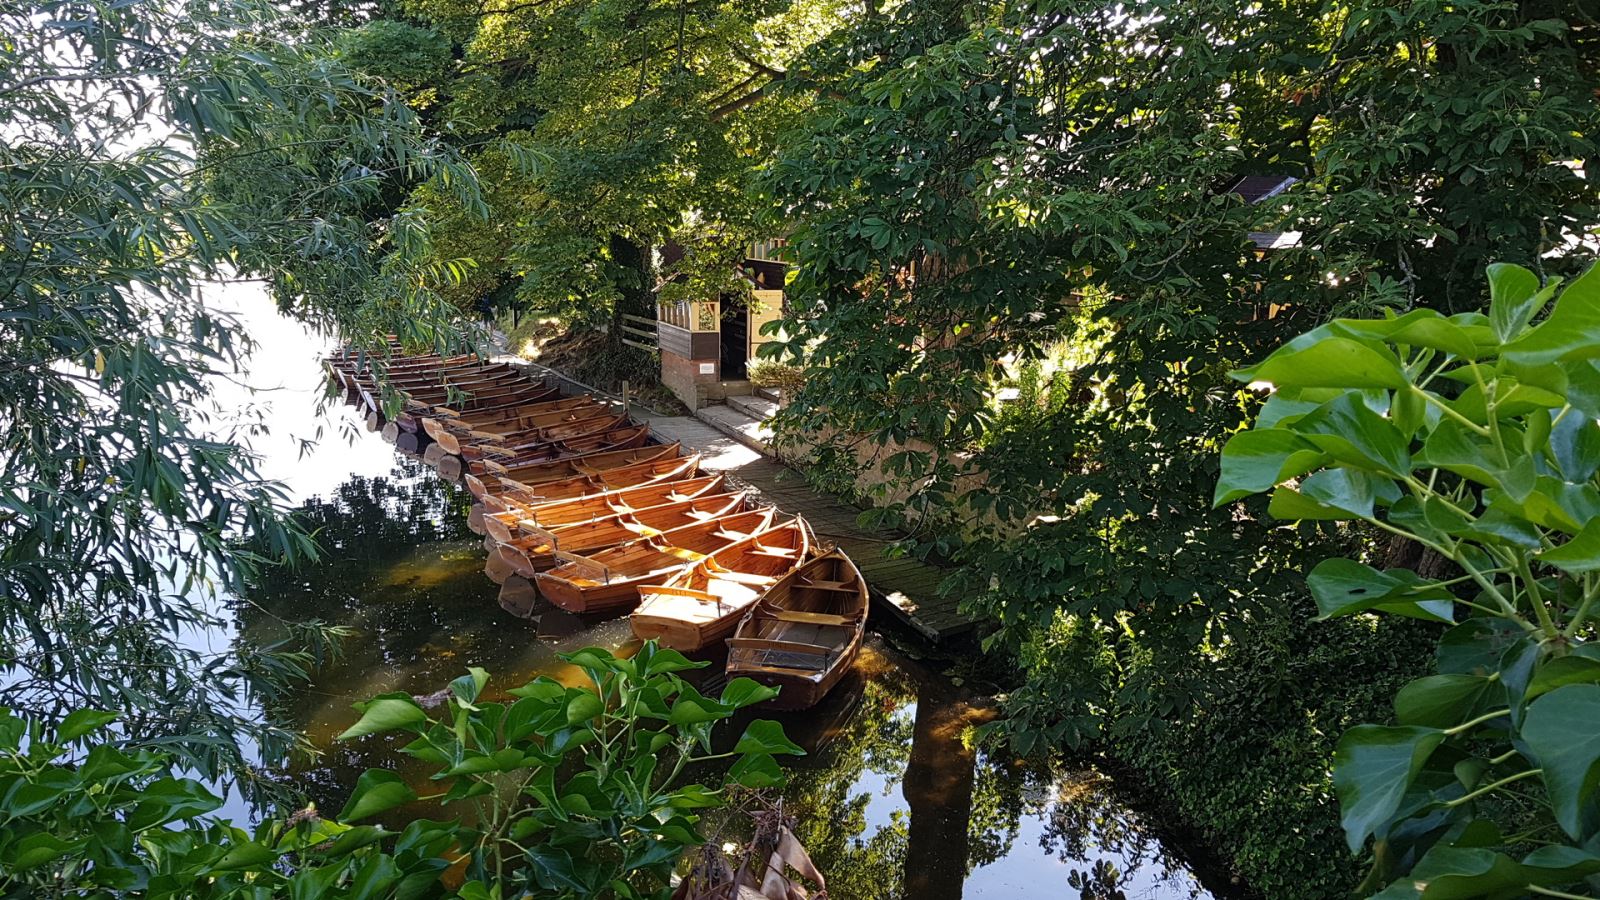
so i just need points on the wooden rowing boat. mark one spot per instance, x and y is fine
(416, 417)
(492, 420)
(455, 394)
(525, 479)
(703, 603)
(414, 420)
(609, 581)
(494, 459)
(516, 496)
(536, 439)
(505, 526)
(535, 552)
(458, 439)
(451, 466)
(804, 633)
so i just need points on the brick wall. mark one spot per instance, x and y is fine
(683, 378)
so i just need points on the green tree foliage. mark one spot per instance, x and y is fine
(150, 148)
(1473, 435)
(603, 765)
(647, 119)
(985, 181)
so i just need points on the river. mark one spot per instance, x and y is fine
(891, 798)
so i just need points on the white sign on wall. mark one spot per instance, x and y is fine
(708, 368)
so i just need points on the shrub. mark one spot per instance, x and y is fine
(769, 373)
(575, 792)
(1474, 436)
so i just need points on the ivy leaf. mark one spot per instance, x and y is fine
(1562, 730)
(375, 791)
(1373, 765)
(1447, 872)
(1349, 431)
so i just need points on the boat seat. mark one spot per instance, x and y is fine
(809, 618)
(845, 587)
(744, 578)
(739, 643)
(804, 671)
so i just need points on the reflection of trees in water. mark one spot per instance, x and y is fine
(1086, 820)
(397, 568)
(902, 749)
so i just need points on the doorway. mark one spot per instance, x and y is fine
(735, 352)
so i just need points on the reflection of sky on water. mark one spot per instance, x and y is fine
(888, 791)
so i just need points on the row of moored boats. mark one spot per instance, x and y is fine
(582, 507)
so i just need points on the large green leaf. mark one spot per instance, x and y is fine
(1256, 460)
(1572, 330)
(1373, 765)
(766, 736)
(467, 688)
(756, 770)
(1575, 445)
(80, 722)
(1333, 362)
(375, 791)
(385, 713)
(1440, 701)
(1562, 731)
(36, 849)
(1453, 447)
(1418, 328)
(1349, 431)
(1347, 490)
(1458, 873)
(1581, 666)
(583, 705)
(169, 799)
(1579, 554)
(742, 692)
(1514, 299)
(1343, 587)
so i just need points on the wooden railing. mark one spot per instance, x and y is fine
(637, 331)
(691, 315)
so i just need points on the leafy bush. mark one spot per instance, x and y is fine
(769, 373)
(1474, 436)
(574, 792)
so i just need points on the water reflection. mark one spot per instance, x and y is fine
(892, 801)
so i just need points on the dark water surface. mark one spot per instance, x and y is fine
(891, 799)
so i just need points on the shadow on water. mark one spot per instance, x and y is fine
(893, 800)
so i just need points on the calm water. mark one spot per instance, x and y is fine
(891, 801)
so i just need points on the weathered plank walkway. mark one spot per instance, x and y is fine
(907, 588)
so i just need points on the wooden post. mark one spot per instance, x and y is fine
(626, 408)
